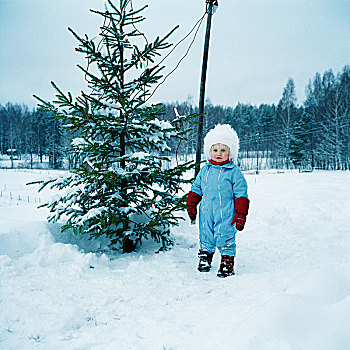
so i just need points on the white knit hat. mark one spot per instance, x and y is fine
(222, 134)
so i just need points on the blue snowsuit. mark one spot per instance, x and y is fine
(218, 185)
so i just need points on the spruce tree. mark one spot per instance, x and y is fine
(122, 189)
(300, 151)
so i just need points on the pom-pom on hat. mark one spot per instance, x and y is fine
(222, 133)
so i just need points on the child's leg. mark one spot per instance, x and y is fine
(206, 233)
(226, 243)
(206, 242)
(225, 237)
(205, 259)
(226, 266)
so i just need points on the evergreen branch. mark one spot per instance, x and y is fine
(122, 7)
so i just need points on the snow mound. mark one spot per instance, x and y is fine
(295, 322)
(324, 286)
(23, 239)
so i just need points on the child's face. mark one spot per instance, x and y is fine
(219, 153)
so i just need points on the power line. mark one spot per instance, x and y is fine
(185, 37)
(199, 22)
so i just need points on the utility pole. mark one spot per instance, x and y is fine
(211, 4)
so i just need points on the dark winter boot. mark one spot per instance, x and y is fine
(205, 259)
(226, 266)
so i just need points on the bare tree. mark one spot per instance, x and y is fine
(286, 118)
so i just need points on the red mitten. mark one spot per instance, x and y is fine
(241, 209)
(192, 201)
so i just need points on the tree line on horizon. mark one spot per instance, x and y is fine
(313, 135)
(31, 134)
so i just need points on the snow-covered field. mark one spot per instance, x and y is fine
(291, 290)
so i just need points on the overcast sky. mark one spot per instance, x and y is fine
(255, 46)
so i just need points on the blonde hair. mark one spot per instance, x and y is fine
(220, 145)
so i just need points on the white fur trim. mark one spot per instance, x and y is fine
(222, 133)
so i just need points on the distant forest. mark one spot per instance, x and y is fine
(313, 135)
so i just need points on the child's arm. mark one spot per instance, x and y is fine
(192, 201)
(196, 187)
(194, 197)
(240, 187)
(241, 201)
(241, 209)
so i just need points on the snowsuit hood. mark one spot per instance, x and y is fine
(222, 133)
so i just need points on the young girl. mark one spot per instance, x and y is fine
(222, 188)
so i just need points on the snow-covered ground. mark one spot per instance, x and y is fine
(291, 290)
